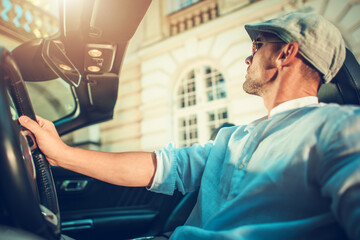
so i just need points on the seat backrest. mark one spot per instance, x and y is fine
(344, 88)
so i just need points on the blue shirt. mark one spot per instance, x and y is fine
(295, 175)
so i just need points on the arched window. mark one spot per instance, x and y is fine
(200, 104)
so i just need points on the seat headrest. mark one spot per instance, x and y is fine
(344, 88)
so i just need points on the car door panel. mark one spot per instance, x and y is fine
(92, 209)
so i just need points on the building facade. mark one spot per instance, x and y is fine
(22, 20)
(184, 69)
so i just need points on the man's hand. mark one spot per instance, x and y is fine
(47, 138)
(133, 169)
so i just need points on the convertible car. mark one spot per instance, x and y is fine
(80, 68)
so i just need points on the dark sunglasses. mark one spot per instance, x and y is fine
(257, 44)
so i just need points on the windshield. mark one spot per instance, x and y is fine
(52, 99)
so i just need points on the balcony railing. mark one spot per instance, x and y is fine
(22, 20)
(192, 16)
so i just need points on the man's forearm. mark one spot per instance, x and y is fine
(133, 169)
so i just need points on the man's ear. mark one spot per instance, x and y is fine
(288, 53)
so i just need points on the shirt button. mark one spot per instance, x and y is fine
(241, 166)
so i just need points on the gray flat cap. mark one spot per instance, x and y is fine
(320, 42)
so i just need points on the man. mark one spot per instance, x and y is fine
(294, 174)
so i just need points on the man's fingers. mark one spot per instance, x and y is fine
(29, 124)
(38, 118)
(41, 121)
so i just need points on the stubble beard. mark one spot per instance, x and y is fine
(251, 86)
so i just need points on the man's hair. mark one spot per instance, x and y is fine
(309, 71)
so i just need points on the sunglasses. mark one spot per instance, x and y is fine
(257, 44)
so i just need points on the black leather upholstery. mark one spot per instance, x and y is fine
(345, 87)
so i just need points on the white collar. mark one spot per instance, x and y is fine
(292, 104)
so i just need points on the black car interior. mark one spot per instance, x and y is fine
(345, 86)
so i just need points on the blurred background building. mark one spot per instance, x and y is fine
(183, 71)
(22, 20)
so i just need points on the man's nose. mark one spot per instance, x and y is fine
(248, 60)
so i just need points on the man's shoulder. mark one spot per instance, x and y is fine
(332, 109)
(336, 116)
(324, 115)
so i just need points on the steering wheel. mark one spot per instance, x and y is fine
(27, 185)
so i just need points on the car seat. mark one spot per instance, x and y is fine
(344, 88)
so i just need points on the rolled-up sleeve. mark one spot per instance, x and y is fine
(180, 168)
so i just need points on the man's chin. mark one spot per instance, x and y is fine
(252, 93)
(250, 89)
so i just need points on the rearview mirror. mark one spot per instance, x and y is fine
(55, 57)
(43, 60)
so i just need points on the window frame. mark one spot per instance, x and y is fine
(203, 106)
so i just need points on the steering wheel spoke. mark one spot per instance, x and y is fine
(49, 216)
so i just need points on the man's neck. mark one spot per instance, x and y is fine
(287, 88)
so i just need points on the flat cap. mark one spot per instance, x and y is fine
(320, 42)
